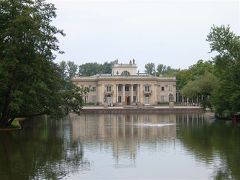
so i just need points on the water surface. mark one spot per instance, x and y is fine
(122, 146)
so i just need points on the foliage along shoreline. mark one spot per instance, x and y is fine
(31, 83)
(214, 83)
(15, 125)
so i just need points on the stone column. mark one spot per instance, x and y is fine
(123, 94)
(113, 95)
(138, 93)
(131, 93)
(116, 93)
(100, 92)
(154, 93)
(141, 94)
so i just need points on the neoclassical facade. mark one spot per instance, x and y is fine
(126, 86)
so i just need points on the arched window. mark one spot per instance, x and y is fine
(171, 98)
(125, 73)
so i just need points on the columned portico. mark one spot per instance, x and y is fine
(141, 94)
(100, 94)
(123, 94)
(154, 92)
(114, 99)
(126, 87)
(131, 94)
(138, 93)
(117, 93)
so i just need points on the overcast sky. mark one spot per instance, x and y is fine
(170, 32)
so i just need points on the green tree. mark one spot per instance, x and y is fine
(30, 82)
(63, 69)
(54, 154)
(183, 77)
(193, 72)
(201, 88)
(90, 69)
(227, 64)
(71, 69)
(68, 69)
(106, 67)
(150, 68)
(205, 139)
(163, 70)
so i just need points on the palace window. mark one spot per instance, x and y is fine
(171, 98)
(146, 99)
(126, 87)
(93, 89)
(94, 99)
(162, 88)
(134, 99)
(146, 88)
(134, 88)
(86, 99)
(170, 88)
(162, 99)
(119, 87)
(125, 73)
(119, 99)
(109, 88)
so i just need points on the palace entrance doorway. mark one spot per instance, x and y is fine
(127, 100)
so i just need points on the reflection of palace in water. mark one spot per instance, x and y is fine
(195, 119)
(123, 132)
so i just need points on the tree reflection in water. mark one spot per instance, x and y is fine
(43, 150)
(53, 149)
(218, 141)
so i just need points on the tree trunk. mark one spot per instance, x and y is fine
(10, 121)
(6, 111)
(6, 122)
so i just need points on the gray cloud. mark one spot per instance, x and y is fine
(168, 32)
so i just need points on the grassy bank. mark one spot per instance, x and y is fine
(14, 126)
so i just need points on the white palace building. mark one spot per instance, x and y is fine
(126, 86)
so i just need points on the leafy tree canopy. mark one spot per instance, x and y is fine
(30, 82)
(90, 69)
(68, 69)
(150, 68)
(227, 64)
(202, 87)
(194, 72)
(160, 70)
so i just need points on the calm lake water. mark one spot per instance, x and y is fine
(112, 146)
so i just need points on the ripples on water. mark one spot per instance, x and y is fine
(154, 125)
(166, 146)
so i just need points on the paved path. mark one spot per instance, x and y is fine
(142, 107)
